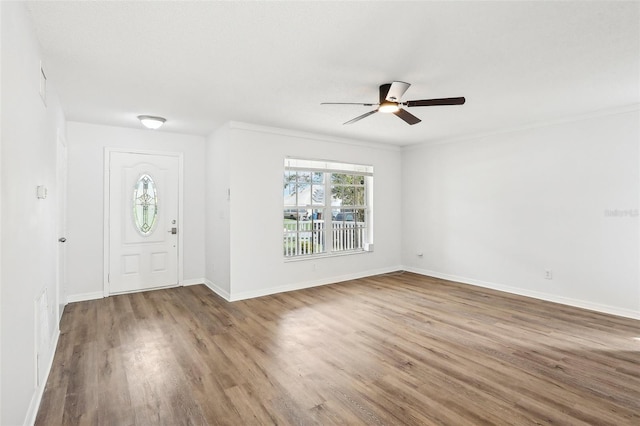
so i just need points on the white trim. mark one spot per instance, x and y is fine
(61, 140)
(105, 224)
(180, 216)
(308, 284)
(327, 166)
(144, 290)
(83, 297)
(316, 256)
(537, 125)
(107, 219)
(217, 289)
(36, 399)
(310, 136)
(613, 310)
(192, 281)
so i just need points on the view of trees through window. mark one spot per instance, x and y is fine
(324, 211)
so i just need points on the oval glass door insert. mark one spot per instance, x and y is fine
(145, 204)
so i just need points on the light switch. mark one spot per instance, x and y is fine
(41, 192)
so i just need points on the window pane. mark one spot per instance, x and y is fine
(348, 229)
(289, 188)
(316, 215)
(304, 222)
(339, 178)
(304, 177)
(290, 199)
(145, 205)
(289, 182)
(290, 244)
(318, 177)
(318, 235)
(349, 196)
(342, 215)
(317, 195)
(304, 194)
(290, 222)
(294, 215)
(337, 194)
(359, 196)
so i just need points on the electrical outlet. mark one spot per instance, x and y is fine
(548, 274)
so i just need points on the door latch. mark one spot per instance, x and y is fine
(173, 231)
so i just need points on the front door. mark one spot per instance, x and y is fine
(143, 221)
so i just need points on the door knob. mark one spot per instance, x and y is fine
(62, 239)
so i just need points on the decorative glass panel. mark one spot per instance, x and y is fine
(145, 204)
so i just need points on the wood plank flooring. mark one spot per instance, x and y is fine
(386, 350)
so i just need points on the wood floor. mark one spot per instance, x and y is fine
(386, 350)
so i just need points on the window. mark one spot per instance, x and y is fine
(327, 207)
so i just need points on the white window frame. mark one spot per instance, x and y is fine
(360, 244)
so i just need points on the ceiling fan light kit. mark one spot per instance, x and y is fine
(390, 94)
(387, 106)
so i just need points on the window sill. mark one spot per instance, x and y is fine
(325, 255)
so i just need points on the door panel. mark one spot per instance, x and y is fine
(143, 253)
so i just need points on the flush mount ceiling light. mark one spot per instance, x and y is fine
(151, 122)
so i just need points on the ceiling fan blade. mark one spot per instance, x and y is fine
(384, 89)
(360, 117)
(430, 102)
(407, 116)
(345, 103)
(396, 91)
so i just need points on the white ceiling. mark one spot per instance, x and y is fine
(201, 64)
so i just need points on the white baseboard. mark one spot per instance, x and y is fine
(81, 297)
(308, 284)
(32, 412)
(613, 310)
(193, 281)
(217, 289)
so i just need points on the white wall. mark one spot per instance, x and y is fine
(29, 240)
(218, 221)
(257, 266)
(499, 210)
(85, 200)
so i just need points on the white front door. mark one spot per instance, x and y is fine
(143, 221)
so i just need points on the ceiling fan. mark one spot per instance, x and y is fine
(390, 95)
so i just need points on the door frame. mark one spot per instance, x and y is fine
(107, 205)
(62, 185)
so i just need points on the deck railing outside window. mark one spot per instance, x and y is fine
(307, 237)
